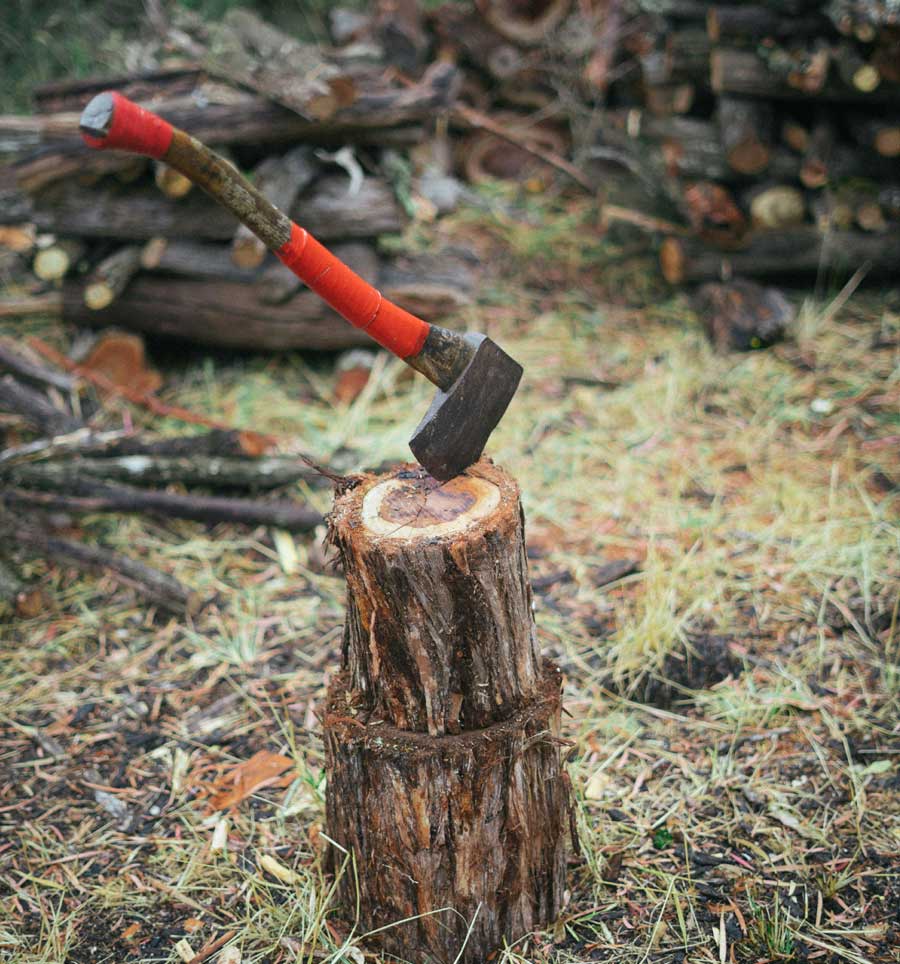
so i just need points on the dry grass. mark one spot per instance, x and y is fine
(734, 703)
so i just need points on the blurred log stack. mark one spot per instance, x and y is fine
(755, 139)
(324, 134)
(769, 133)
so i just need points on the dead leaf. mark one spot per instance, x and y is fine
(263, 769)
(120, 357)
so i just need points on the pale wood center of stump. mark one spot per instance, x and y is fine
(420, 508)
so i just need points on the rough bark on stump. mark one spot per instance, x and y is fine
(439, 635)
(473, 822)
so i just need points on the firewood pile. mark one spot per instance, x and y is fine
(767, 134)
(326, 136)
(753, 139)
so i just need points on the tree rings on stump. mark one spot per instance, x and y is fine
(458, 840)
(440, 635)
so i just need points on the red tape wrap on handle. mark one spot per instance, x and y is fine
(134, 129)
(361, 304)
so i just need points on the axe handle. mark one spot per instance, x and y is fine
(113, 121)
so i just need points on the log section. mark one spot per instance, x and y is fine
(442, 730)
(466, 829)
(439, 634)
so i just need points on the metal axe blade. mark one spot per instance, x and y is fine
(457, 425)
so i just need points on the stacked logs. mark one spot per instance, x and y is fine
(129, 242)
(770, 134)
(756, 138)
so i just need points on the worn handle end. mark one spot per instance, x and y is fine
(113, 121)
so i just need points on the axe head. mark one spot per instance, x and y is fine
(456, 427)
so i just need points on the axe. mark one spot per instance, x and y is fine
(476, 379)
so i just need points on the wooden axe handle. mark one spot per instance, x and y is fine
(113, 121)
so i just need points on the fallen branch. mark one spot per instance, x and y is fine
(161, 470)
(35, 407)
(89, 496)
(31, 371)
(159, 587)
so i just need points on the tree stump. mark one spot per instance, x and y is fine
(442, 729)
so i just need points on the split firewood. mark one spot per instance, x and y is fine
(795, 135)
(816, 170)
(667, 99)
(485, 156)
(713, 213)
(686, 146)
(46, 304)
(682, 58)
(101, 211)
(787, 252)
(832, 212)
(19, 238)
(462, 30)
(399, 29)
(855, 70)
(83, 496)
(194, 259)
(35, 407)
(144, 86)
(382, 114)
(111, 277)
(56, 260)
(742, 315)
(434, 285)
(281, 180)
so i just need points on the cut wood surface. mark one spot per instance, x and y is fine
(111, 210)
(55, 261)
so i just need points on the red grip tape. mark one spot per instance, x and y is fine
(362, 305)
(134, 129)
